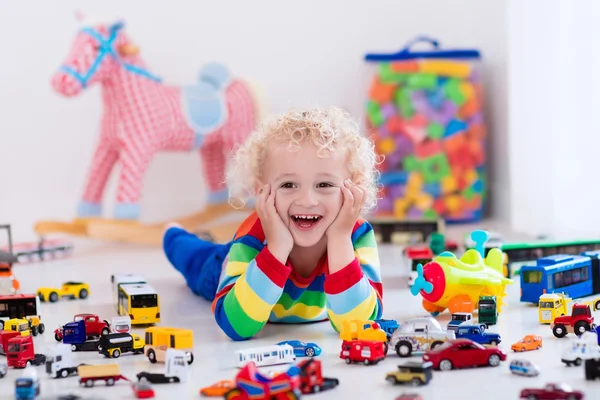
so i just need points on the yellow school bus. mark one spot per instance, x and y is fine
(140, 302)
(159, 339)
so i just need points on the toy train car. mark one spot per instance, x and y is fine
(574, 275)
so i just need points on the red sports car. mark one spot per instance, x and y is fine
(463, 353)
(552, 391)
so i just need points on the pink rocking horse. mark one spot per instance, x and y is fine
(142, 117)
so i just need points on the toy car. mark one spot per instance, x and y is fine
(529, 342)
(72, 290)
(463, 353)
(415, 373)
(458, 319)
(419, 335)
(302, 349)
(218, 389)
(552, 391)
(3, 369)
(524, 368)
(143, 389)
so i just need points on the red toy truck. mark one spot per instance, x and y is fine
(20, 352)
(5, 336)
(580, 320)
(311, 377)
(251, 384)
(364, 351)
(94, 326)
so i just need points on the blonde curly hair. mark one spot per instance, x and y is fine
(328, 129)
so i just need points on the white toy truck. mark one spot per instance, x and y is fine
(121, 324)
(59, 361)
(176, 369)
(584, 348)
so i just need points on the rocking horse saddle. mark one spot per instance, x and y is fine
(204, 104)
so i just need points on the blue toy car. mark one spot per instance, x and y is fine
(477, 334)
(302, 349)
(524, 368)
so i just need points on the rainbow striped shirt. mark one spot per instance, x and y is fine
(255, 288)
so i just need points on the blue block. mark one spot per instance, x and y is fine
(393, 178)
(433, 189)
(455, 126)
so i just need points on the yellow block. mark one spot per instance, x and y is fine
(424, 201)
(386, 146)
(448, 184)
(471, 176)
(415, 183)
(453, 203)
(400, 207)
(467, 89)
(445, 68)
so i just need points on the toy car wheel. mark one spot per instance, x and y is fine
(494, 360)
(310, 352)
(89, 383)
(73, 347)
(404, 349)
(366, 362)
(116, 353)
(445, 365)
(436, 344)
(1, 325)
(494, 343)
(191, 360)
(110, 381)
(577, 361)
(559, 331)
(416, 382)
(53, 297)
(152, 356)
(348, 361)
(105, 331)
(233, 394)
(57, 338)
(83, 294)
(316, 389)
(392, 379)
(581, 327)
(64, 373)
(41, 328)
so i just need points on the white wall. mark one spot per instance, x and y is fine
(303, 53)
(554, 84)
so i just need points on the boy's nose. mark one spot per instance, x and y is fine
(307, 198)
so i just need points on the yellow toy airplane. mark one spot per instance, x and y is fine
(456, 284)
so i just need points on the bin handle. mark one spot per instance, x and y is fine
(419, 39)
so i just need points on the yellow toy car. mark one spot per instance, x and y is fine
(73, 290)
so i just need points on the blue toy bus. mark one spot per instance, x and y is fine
(561, 273)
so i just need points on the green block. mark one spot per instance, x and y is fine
(468, 193)
(411, 164)
(384, 70)
(430, 214)
(374, 113)
(422, 81)
(435, 168)
(404, 102)
(435, 130)
(452, 91)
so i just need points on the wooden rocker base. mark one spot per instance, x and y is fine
(130, 231)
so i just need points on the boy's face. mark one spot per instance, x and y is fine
(306, 186)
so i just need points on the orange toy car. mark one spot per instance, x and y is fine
(529, 342)
(218, 389)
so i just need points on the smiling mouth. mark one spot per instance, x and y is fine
(305, 222)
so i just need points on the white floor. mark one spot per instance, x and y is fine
(95, 262)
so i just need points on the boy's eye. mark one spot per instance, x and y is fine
(287, 185)
(325, 185)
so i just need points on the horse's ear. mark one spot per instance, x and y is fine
(128, 50)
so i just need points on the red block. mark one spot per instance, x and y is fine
(395, 125)
(428, 148)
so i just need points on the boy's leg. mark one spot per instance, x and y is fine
(199, 261)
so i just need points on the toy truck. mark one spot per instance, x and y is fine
(478, 334)
(251, 384)
(487, 310)
(176, 369)
(580, 321)
(121, 324)
(388, 325)
(160, 338)
(552, 305)
(27, 387)
(114, 344)
(75, 333)
(311, 377)
(459, 318)
(365, 331)
(5, 336)
(21, 353)
(109, 373)
(94, 326)
(583, 348)
(59, 361)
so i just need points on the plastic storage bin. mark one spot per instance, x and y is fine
(424, 112)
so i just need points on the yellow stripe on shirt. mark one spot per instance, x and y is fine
(361, 311)
(255, 307)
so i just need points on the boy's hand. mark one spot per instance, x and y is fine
(279, 238)
(354, 198)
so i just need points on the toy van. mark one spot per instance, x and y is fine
(362, 351)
